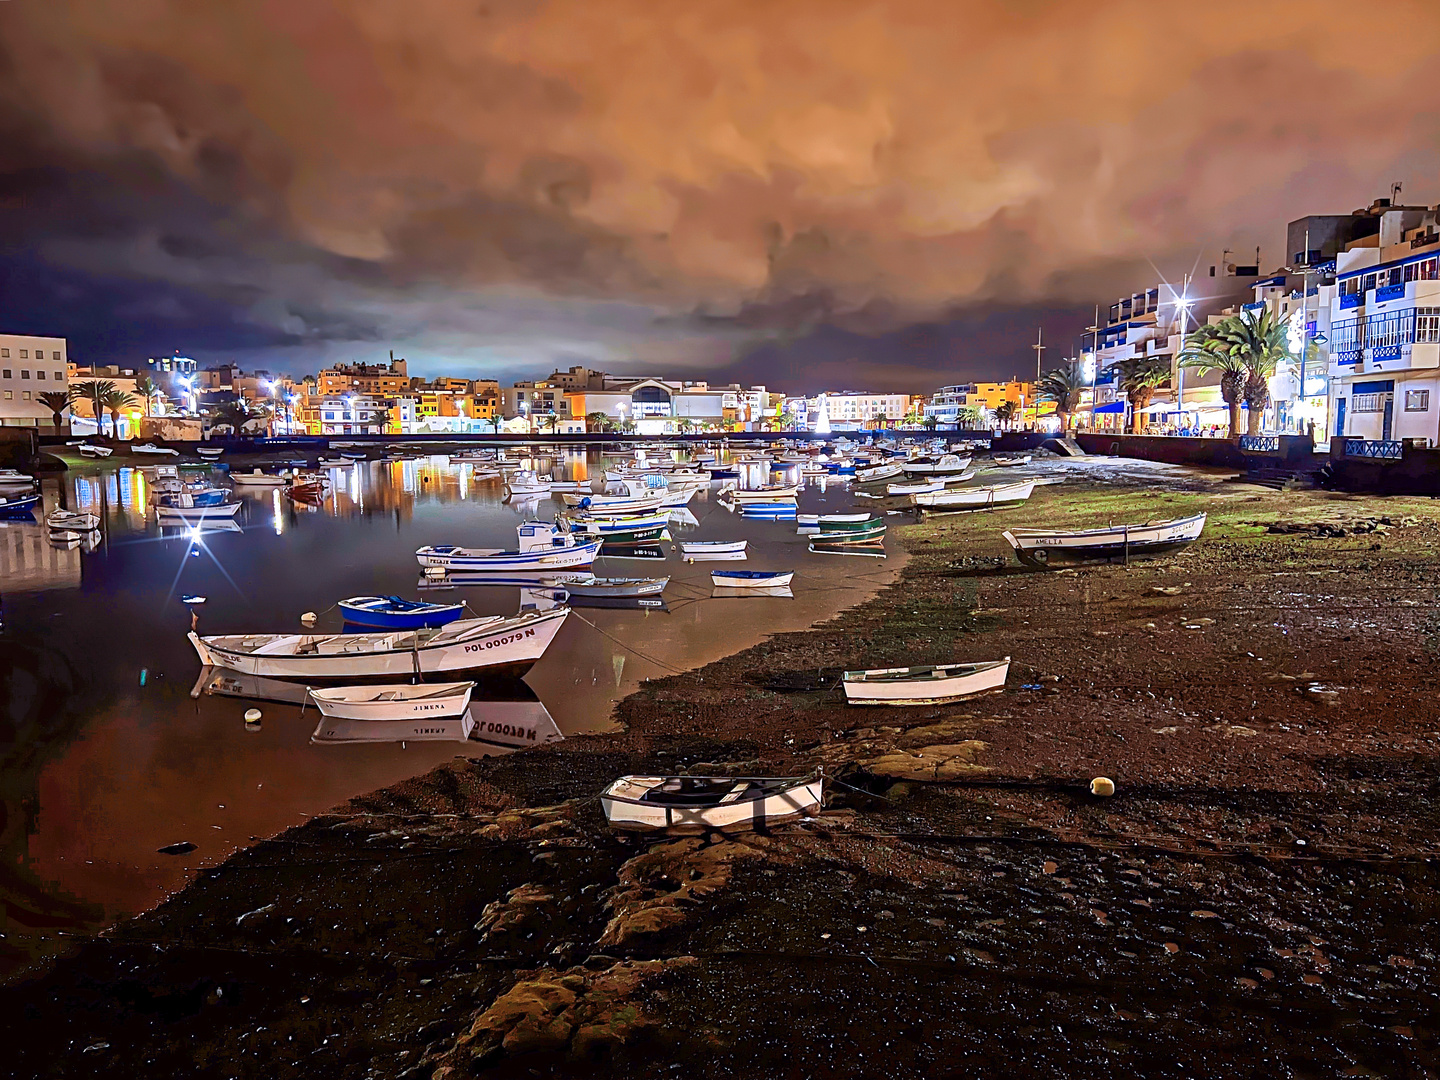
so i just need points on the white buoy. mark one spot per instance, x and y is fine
(1102, 786)
(252, 716)
(308, 618)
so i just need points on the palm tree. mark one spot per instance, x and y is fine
(685, 425)
(1139, 377)
(1004, 412)
(547, 418)
(146, 388)
(880, 421)
(57, 401)
(93, 391)
(115, 400)
(931, 423)
(598, 421)
(1063, 387)
(1207, 350)
(968, 418)
(1253, 342)
(237, 414)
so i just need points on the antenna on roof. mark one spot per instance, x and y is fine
(1395, 192)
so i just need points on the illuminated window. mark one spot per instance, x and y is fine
(25, 395)
(9, 395)
(1430, 269)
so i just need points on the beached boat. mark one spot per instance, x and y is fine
(870, 533)
(258, 479)
(464, 645)
(1013, 459)
(393, 701)
(831, 519)
(752, 579)
(210, 453)
(944, 465)
(542, 547)
(617, 587)
(690, 548)
(153, 450)
(65, 519)
(872, 549)
(939, 483)
(872, 474)
(930, 685)
(705, 803)
(1115, 543)
(981, 498)
(395, 613)
(95, 450)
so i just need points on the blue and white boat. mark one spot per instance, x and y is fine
(752, 579)
(542, 547)
(19, 507)
(395, 613)
(186, 500)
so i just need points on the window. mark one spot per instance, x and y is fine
(24, 372)
(1417, 400)
(9, 395)
(55, 355)
(25, 395)
(1366, 402)
(5, 353)
(1411, 270)
(40, 375)
(1427, 325)
(59, 376)
(1391, 276)
(7, 374)
(1430, 269)
(24, 354)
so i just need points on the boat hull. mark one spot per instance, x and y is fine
(436, 706)
(1119, 544)
(802, 800)
(924, 691)
(757, 581)
(400, 620)
(513, 644)
(986, 498)
(540, 559)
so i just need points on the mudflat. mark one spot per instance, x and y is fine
(1258, 896)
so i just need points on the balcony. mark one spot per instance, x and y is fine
(1351, 300)
(1390, 292)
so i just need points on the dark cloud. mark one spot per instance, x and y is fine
(897, 192)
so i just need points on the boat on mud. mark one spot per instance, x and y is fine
(993, 497)
(928, 685)
(706, 803)
(1114, 543)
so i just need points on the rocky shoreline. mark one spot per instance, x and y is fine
(1261, 890)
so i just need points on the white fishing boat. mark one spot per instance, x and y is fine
(429, 729)
(613, 505)
(526, 483)
(258, 479)
(336, 463)
(929, 685)
(830, 519)
(752, 579)
(939, 483)
(705, 803)
(774, 493)
(95, 450)
(1114, 543)
(393, 701)
(981, 498)
(152, 449)
(617, 587)
(885, 470)
(13, 479)
(1005, 460)
(464, 645)
(221, 511)
(209, 453)
(65, 519)
(542, 547)
(569, 486)
(944, 465)
(691, 548)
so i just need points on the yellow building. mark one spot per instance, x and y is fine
(372, 380)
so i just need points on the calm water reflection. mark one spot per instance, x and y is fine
(106, 755)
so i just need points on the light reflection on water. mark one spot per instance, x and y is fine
(131, 762)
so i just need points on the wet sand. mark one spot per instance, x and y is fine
(1258, 897)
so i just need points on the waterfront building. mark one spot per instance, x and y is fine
(1384, 338)
(852, 410)
(948, 403)
(348, 414)
(657, 406)
(377, 380)
(30, 366)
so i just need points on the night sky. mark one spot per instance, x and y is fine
(802, 193)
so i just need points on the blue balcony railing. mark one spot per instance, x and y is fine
(1390, 292)
(1351, 300)
(1260, 444)
(1383, 449)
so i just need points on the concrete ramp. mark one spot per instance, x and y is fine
(1064, 447)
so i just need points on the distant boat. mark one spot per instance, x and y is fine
(94, 450)
(771, 494)
(166, 512)
(617, 587)
(944, 465)
(464, 645)
(151, 448)
(623, 530)
(186, 499)
(542, 547)
(752, 579)
(393, 702)
(871, 474)
(353, 455)
(1042, 548)
(691, 548)
(939, 483)
(395, 613)
(64, 519)
(13, 478)
(569, 486)
(1004, 460)
(613, 505)
(981, 498)
(258, 479)
(210, 452)
(930, 685)
(337, 463)
(526, 483)
(705, 803)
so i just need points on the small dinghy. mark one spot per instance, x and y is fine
(831, 519)
(751, 579)
(982, 498)
(18, 505)
(703, 803)
(181, 507)
(931, 685)
(617, 587)
(210, 453)
(944, 465)
(613, 505)
(621, 530)
(65, 519)
(393, 702)
(940, 483)
(1115, 543)
(525, 484)
(542, 547)
(13, 478)
(395, 613)
(872, 474)
(152, 449)
(94, 450)
(870, 533)
(1006, 460)
(258, 479)
(771, 494)
(691, 548)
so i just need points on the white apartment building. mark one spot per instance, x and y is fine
(29, 367)
(851, 409)
(351, 415)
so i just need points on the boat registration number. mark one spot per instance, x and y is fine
(496, 642)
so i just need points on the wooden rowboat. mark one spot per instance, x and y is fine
(705, 803)
(981, 498)
(751, 579)
(393, 701)
(1115, 543)
(930, 685)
